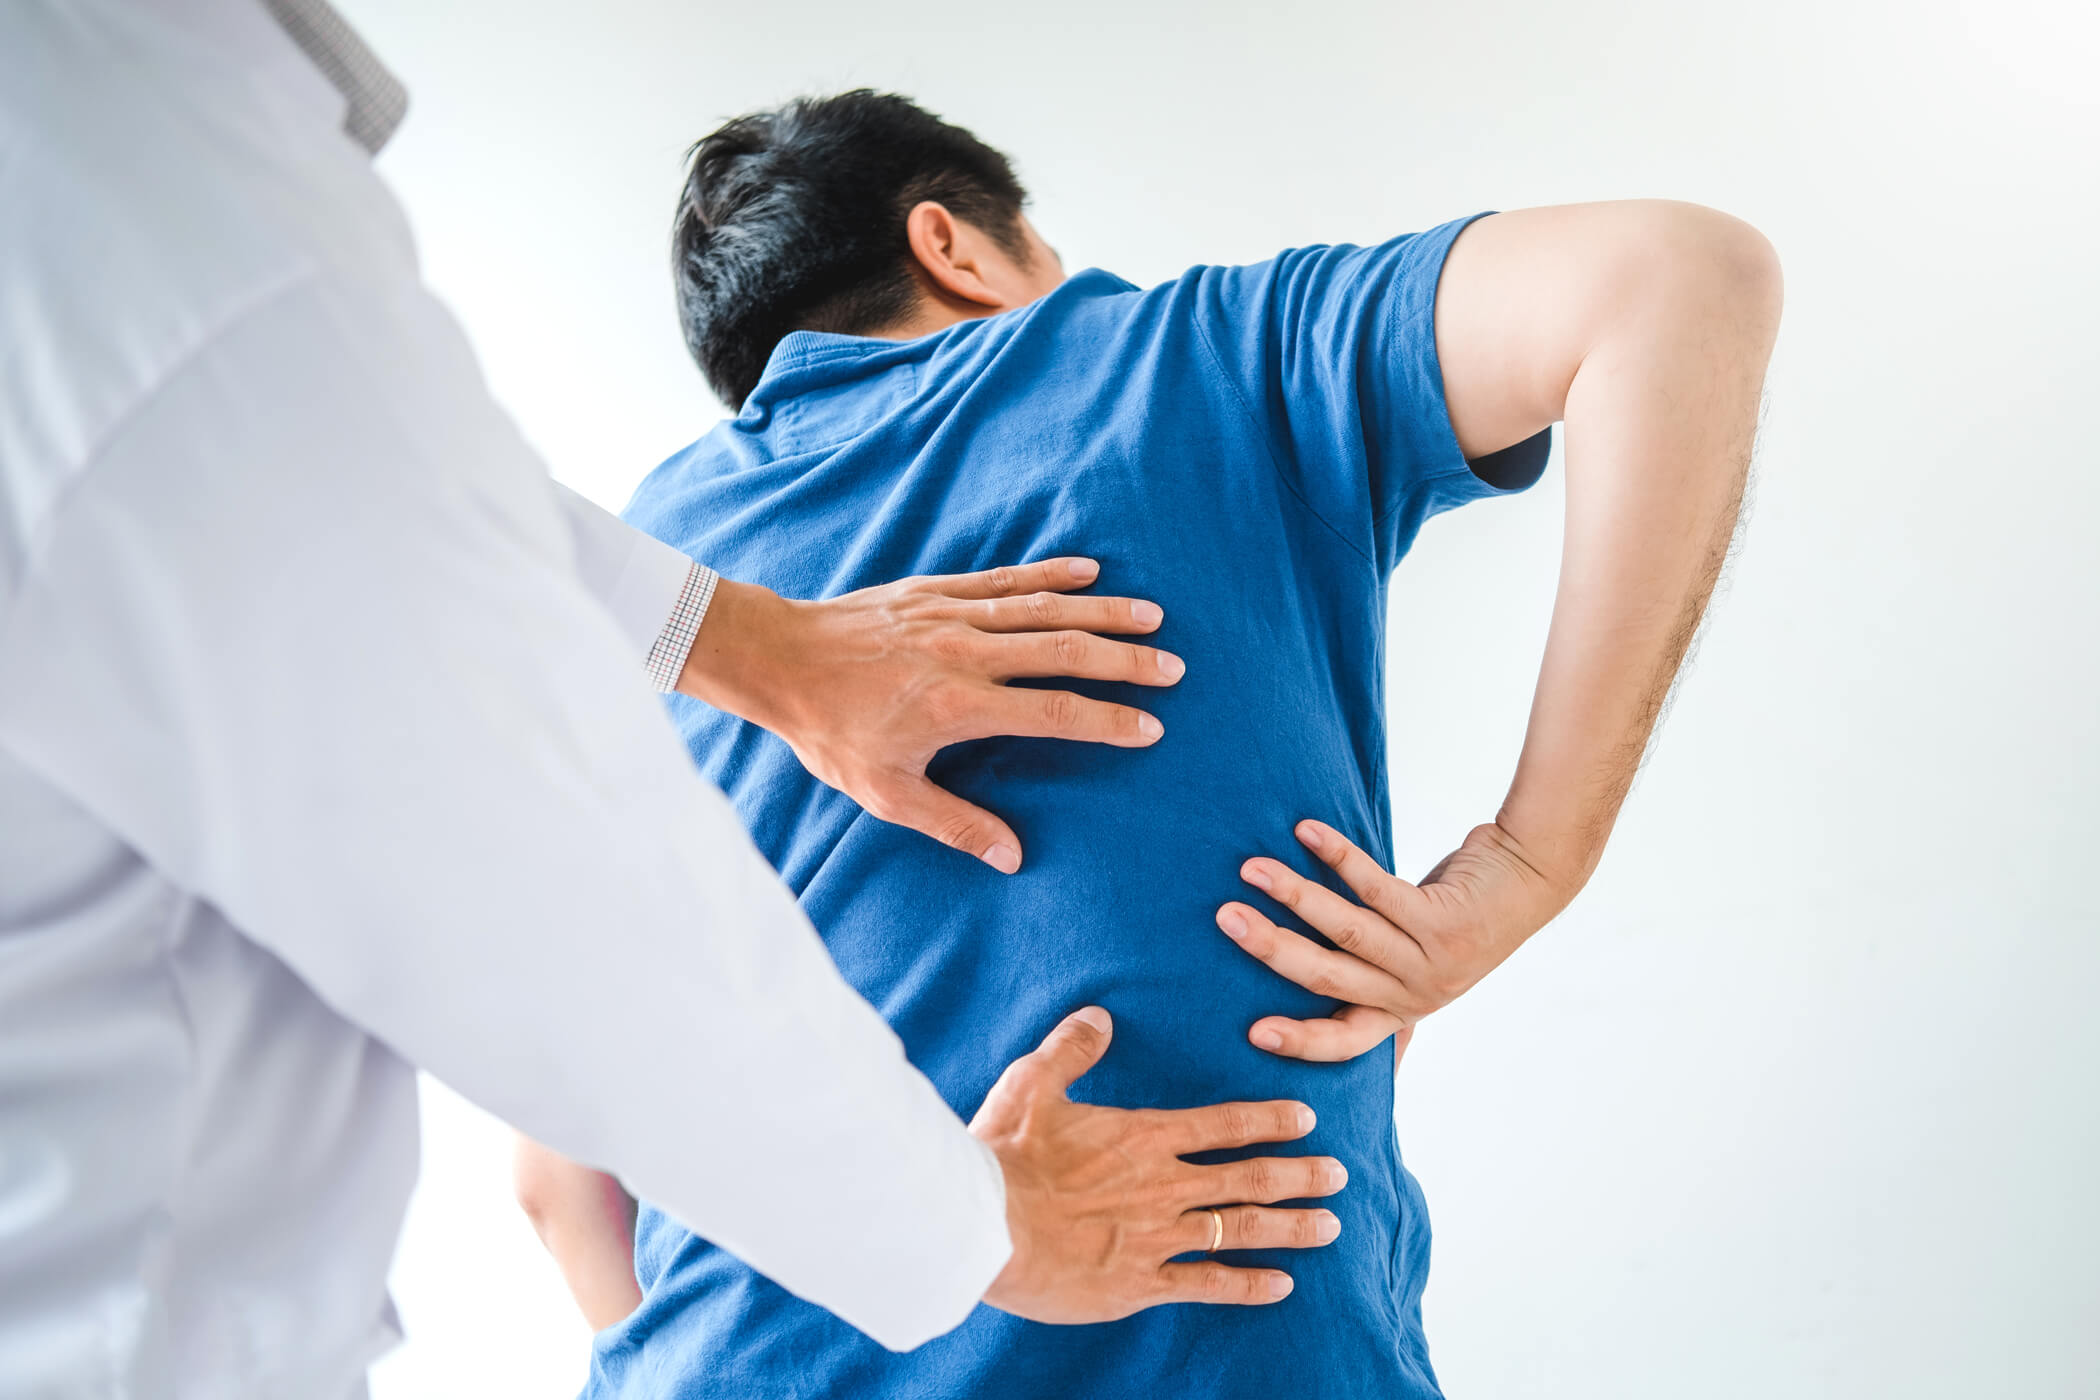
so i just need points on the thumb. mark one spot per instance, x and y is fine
(1075, 1047)
(932, 810)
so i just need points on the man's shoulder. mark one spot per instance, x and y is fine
(663, 504)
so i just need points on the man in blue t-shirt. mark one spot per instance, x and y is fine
(921, 390)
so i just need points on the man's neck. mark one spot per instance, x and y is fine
(930, 316)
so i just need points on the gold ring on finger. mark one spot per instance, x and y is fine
(1217, 1230)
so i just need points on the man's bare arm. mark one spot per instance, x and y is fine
(1645, 327)
(586, 1220)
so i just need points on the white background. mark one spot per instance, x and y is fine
(1800, 1098)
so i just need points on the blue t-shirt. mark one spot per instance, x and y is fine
(1254, 449)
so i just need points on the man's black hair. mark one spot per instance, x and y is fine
(793, 219)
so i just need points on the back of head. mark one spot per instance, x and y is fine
(794, 219)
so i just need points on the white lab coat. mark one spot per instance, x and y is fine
(318, 761)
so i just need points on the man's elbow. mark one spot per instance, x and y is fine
(540, 1182)
(1701, 262)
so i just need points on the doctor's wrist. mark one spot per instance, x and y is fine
(740, 660)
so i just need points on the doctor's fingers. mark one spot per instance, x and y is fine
(1255, 1227)
(1351, 1031)
(1055, 714)
(1211, 1282)
(1260, 1181)
(1049, 612)
(1185, 1130)
(916, 801)
(1321, 971)
(1080, 654)
(1052, 575)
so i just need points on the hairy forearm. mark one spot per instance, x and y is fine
(1660, 417)
(1644, 328)
(586, 1221)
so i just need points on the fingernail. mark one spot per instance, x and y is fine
(1307, 1119)
(1084, 569)
(1235, 927)
(1146, 614)
(1093, 1016)
(1337, 1175)
(1172, 666)
(1279, 1285)
(1003, 858)
(1268, 1040)
(1256, 876)
(1150, 727)
(1328, 1227)
(1312, 836)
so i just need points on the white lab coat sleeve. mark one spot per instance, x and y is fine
(635, 575)
(308, 632)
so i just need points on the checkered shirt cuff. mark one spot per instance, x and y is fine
(667, 658)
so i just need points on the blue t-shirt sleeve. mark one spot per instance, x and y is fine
(1332, 352)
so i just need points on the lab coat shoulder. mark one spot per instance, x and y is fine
(138, 220)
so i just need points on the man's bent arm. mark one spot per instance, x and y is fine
(585, 1218)
(1645, 327)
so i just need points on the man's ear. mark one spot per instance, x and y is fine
(950, 253)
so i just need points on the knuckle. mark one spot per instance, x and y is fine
(1069, 649)
(1142, 1130)
(1216, 1283)
(957, 829)
(1382, 892)
(951, 645)
(946, 705)
(1002, 579)
(1061, 708)
(1263, 1178)
(1235, 1123)
(1044, 609)
(1323, 981)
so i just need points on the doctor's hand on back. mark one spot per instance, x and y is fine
(867, 687)
(1099, 1201)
